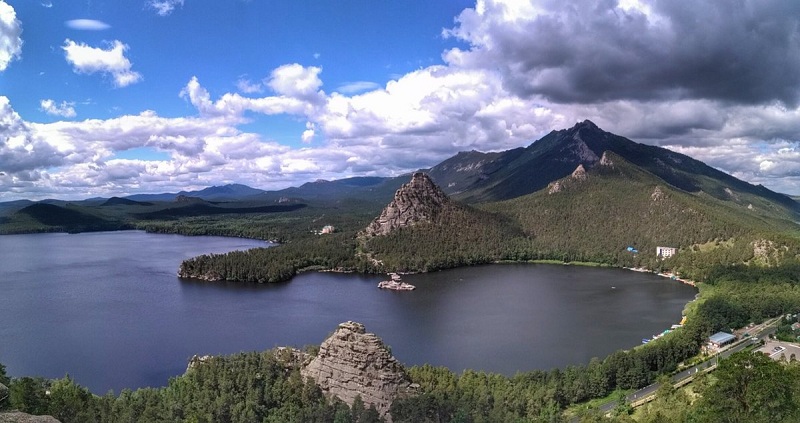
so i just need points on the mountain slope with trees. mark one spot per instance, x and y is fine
(595, 214)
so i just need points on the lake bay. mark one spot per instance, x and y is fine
(108, 309)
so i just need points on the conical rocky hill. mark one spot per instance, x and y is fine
(418, 201)
(422, 230)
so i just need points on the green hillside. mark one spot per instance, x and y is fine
(597, 215)
(42, 217)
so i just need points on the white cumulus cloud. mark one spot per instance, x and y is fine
(295, 80)
(10, 35)
(111, 61)
(65, 109)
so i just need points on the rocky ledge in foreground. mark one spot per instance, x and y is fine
(17, 417)
(352, 362)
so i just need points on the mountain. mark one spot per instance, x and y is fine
(225, 192)
(485, 177)
(9, 207)
(467, 169)
(51, 218)
(369, 189)
(365, 189)
(117, 201)
(595, 213)
(231, 192)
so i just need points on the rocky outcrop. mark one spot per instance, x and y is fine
(657, 195)
(17, 417)
(198, 360)
(732, 195)
(209, 276)
(415, 202)
(605, 160)
(579, 173)
(352, 362)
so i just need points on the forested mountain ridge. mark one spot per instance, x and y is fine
(595, 214)
(485, 177)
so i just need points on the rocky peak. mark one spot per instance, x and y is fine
(418, 201)
(352, 362)
(579, 173)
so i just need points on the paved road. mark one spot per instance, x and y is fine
(758, 332)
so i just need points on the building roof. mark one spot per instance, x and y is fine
(721, 338)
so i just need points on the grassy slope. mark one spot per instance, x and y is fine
(615, 207)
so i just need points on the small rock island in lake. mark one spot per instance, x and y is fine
(396, 284)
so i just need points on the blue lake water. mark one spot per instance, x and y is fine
(108, 309)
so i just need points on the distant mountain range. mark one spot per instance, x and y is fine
(231, 192)
(471, 177)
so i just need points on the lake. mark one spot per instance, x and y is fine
(108, 309)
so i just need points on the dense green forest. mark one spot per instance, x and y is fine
(246, 387)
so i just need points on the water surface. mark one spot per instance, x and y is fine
(108, 309)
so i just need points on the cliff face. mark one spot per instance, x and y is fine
(417, 201)
(352, 362)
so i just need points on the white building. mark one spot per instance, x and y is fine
(665, 252)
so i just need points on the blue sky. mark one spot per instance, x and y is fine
(221, 43)
(102, 98)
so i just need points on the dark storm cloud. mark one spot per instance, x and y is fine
(738, 51)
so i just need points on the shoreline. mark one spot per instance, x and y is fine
(664, 275)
